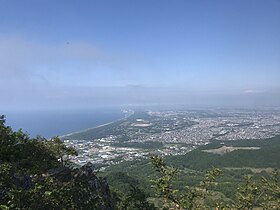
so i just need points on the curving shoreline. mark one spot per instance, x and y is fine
(98, 126)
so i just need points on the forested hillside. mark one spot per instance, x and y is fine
(191, 168)
(266, 156)
(36, 174)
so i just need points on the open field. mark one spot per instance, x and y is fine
(225, 149)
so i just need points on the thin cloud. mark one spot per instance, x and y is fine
(252, 91)
(21, 58)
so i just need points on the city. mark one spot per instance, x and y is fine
(169, 133)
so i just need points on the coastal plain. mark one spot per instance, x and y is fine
(144, 133)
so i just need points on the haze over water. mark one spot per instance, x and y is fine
(55, 123)
(75, 55)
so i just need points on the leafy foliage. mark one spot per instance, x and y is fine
(26, 181)
(250, 194)
(59, 150)
(133, 199)
(192, 197)
(25, 154)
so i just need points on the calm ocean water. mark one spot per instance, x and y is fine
(55, 123)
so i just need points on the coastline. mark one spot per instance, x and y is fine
(98, 126)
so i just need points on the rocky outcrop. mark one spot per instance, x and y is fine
(62, 174)
(97, 186)
(22, 181)
(81, 181)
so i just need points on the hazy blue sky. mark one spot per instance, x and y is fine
(76, 54)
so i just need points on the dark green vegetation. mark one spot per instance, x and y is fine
(135, 126)
(267, 156)
(264, 193)
(34, 175)
(193, 166)
(189, 189)
(37, 174)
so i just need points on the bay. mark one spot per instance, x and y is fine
(59, 122)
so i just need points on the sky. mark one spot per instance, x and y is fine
(77, 54)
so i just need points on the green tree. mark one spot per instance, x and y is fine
(60, 150)
(193, 198)
(26, 184)
(133, 199)
(251, 194)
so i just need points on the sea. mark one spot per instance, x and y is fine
(60, 122)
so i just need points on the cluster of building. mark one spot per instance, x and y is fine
(102, 152)
(230, 126)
